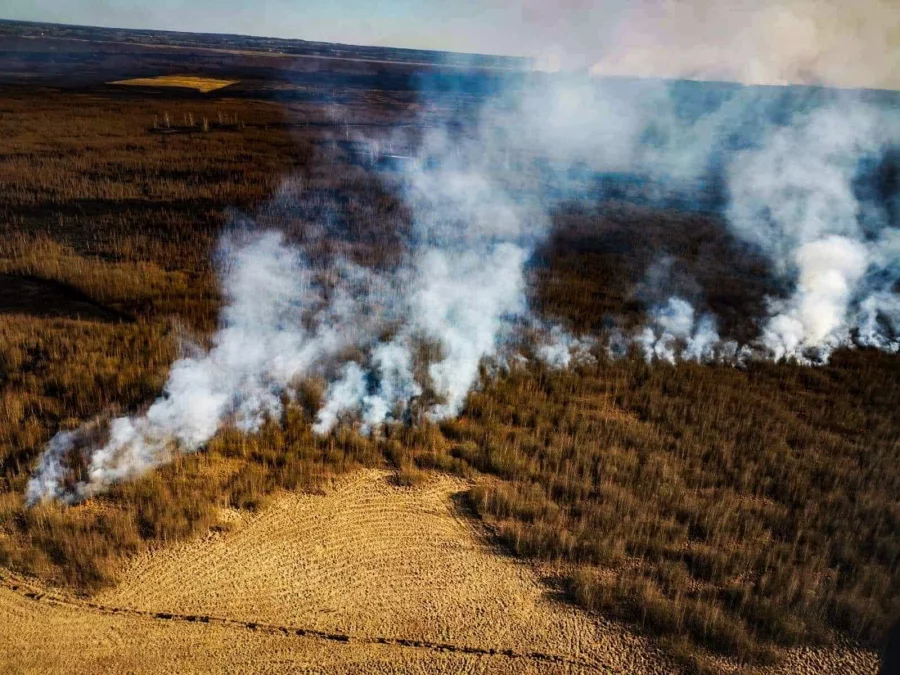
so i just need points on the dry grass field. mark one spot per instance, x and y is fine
(612, 518)
(201, 84)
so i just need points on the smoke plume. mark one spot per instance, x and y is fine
(457, 295)
(407, 343)
(794, 198)
(265, 340)
(674, 333)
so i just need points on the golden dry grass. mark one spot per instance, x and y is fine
(201, 84)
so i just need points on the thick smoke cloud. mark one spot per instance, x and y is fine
(410, 342)
(794, 198)
(799, 174)
(458, 294)
(276, 326)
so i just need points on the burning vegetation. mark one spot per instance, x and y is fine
(691, 409)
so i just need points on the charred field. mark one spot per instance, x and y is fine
(715, 518)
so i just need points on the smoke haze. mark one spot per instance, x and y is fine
(825, 42)
(828, 42)
(460, 286)
(799, 178)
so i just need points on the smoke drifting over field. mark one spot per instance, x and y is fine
(809, 180)
(804, 197)
(804, 185)
(794, 198)
(390, 345)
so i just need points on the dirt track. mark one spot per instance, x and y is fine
(40, 635)
(370, 578)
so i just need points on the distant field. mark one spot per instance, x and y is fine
(202, 84)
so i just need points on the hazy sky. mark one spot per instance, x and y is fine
(838, 42)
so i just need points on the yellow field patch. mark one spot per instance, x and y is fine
(368, 577)
(204, 84)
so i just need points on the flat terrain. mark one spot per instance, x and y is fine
(371, 559)
(46, 637)
(370, 577)
(619, 517)
(201, 84)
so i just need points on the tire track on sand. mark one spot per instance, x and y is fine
(37, 594)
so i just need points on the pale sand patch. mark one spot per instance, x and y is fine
(367, 559)
(202, 84)
(41, 637)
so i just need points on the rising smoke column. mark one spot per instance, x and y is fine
(459, 288)
(465, 280)
(283, 320)
(796, 166)
(794, 199)
(794, 195)
(276, 326)
(675, 333)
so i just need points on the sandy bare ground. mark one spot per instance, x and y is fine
(373, 559)
(45, 636)
(369, 578)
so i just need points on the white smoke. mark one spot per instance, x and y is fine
(794, 198)
(457, 301)
(790, 165)
(398, 343)
(463, 284)
(460, 289)
(343, 394)
(675, 333)
(559, 349)
(276, 326)
(816, 316)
